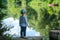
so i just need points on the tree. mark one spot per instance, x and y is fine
(47, 16)
(3, 14)
(42, 16)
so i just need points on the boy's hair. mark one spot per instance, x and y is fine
(23, 11)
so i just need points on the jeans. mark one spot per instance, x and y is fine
(23, 31)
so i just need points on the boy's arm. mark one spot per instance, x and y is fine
(27, 21)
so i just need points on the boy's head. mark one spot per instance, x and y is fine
(23, 11)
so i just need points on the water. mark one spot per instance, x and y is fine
(15, 28)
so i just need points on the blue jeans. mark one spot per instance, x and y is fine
(23, 31)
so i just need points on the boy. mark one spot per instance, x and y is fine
(23, 23)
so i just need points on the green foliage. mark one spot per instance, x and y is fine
(8, 37)
(27, 1)
(47, 17)
(40, 15)
(43, 0)
(3, 3)
(3, 14)
(31, 13)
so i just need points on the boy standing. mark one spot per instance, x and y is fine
(23, 23)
